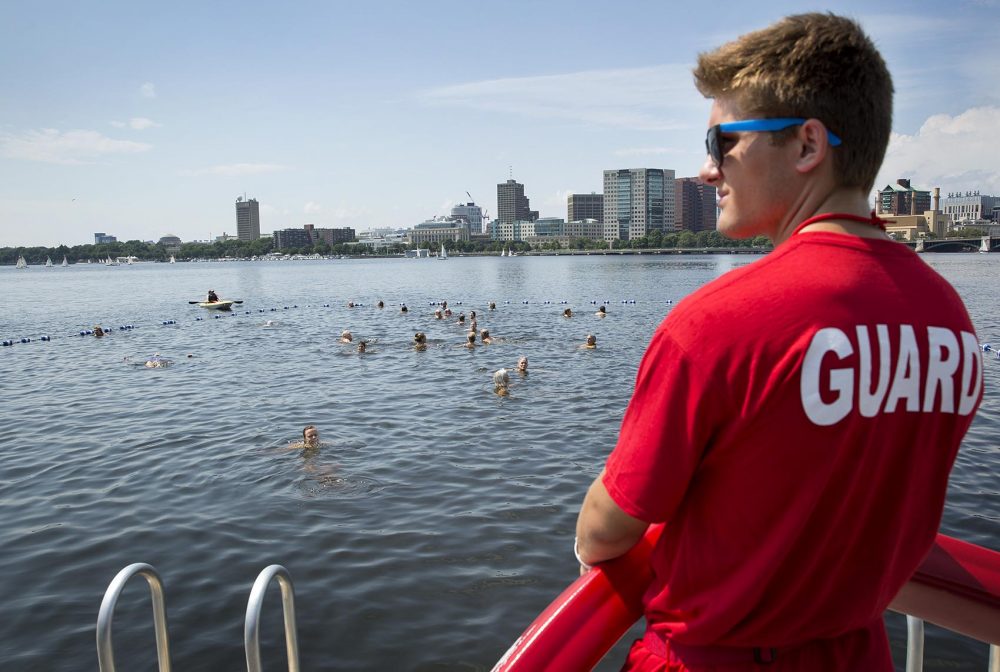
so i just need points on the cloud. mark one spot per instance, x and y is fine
(951, 152)
(50, 145)
(656, 98)
(136, 123)
(236, 169)
(148, 90)
(312, 208)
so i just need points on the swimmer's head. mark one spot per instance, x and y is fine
(461, 317)
(419, 337)
(345, 335)
(602, 309)
(380, 304)
(522, 364)
(567, 313)
(501, 379)
(471, 337)
(362, 346)
(591, 340)
(310, 436)
(493, 305)
(484, 334)
(437, 314)
(472, 315)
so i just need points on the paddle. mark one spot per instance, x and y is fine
(230, 300)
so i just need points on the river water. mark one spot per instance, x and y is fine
(435, 521)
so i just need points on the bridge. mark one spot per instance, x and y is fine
(984, 244)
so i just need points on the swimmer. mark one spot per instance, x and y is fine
(567, 313)
(156, 362)
(350, 304)
(437, 314)
(380, 304)
(310, 437)
(474, 326)
(591, 342)
(403, 309)
(346, 337)
(472, 316)
(501, 382)
(470, 339)
(522, 366)
(461, 318)
(601, 312)
(98, 332)
(484, 336)
(362, 347)
(419, 341)
(493, 305)
(444, 305)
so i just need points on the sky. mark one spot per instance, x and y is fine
(143, 120)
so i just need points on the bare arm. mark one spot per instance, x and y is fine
(603, 530)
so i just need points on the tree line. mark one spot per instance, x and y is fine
(258, 248)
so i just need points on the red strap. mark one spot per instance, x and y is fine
(825, 216)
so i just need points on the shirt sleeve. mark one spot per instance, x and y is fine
(666, 429)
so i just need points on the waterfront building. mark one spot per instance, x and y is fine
(931, 222)
(586, 228)
(638, 201)
(970, 208)
(247, 219)
(585, 206)
(518, 230)
(333, 236)
(171, 243)
(694, 205)
(903, 199)
(512, 204)
(438, 230)
(226, 237)
(293, 238)
(102, 238)
(471, 214)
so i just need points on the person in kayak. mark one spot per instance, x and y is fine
(793, 421)
(212, 297)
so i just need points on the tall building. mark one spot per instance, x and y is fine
(471, 214)
(970, 207)
(694, 205)
(512, 204)
(638, 201)
(247, 219)
(902, 199)
(585, 206)
(101, 238)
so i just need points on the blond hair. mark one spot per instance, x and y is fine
(814, 66)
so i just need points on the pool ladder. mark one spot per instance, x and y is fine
(251, 626)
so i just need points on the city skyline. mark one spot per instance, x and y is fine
(148, 121)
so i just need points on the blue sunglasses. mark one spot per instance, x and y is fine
(714, 147)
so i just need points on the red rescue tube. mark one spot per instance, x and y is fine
(584, 622)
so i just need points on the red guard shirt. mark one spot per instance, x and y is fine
(794, 423)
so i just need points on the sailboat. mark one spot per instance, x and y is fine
(172, 260)
(443, 256)
(65, 263)
(21, 263)
(48, 262)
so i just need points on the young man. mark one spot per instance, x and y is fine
(793, 422)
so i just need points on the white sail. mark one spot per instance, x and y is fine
(172, 261)
(65, 263)
(48, 262)
(21, 263)
(444, 253)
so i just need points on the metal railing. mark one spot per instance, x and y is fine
(105, 651)
(251, 627)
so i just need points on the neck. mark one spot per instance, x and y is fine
(850, 201)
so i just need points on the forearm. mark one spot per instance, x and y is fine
(603, 530)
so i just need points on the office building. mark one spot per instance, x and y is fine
(970, 208)
(903, 199)
(171, 243)
(247, 219)
(438, 230)
(585, 206)
(638, 201)
(293, 238)
(512, 204)
(334, 236)
(694, 205)
(101, 238)
(471, 214)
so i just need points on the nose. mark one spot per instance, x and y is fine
(709, 172)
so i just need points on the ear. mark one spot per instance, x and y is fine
(812, 146)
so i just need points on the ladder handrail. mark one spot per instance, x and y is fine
(105, 650)
(251, 627)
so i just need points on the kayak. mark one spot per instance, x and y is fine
(217, 305)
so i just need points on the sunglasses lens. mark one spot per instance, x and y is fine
(712, 145)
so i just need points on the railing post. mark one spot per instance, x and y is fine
(994, 658)
(251, 628)
(914, 644)
(105, 650)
